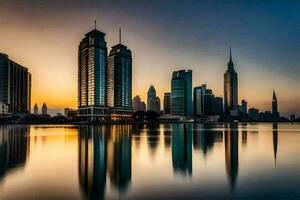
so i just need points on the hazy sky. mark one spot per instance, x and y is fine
(164, 35)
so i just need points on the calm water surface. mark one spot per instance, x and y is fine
(174, 161)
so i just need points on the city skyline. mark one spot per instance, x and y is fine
(259, 71)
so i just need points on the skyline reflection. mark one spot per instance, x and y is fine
(134, 162)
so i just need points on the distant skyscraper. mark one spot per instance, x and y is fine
(217, 106)
(230, 88)
(208, 102)
(181, 93)
(36, 109)
(15, 85)
(92, 72)
(167, 103)
(44, 109)
(138, 104)
(253, 114)
(119, 77)
(199, 100)
(150, 96)
(155, 105)
(275, 112)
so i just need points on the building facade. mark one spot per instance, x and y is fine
(15, 86)
(167, 103)
(138, 104)
(199, 100)
(230, 88)
(155, 105)
(151, 94)
(44, 109)
(119, 78)
(92, 72)
(181, 93)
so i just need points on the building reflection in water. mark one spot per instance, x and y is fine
(14, 147)
(244, 135)
(153, 137)
(182, 140)
(231, 153)
(275, 141)
(104, 150)
(205, 137)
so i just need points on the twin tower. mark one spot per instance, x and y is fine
(104, 81)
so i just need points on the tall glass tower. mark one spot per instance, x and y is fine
(181, 93)
(92, 68)
(119, 77)
(151, 94)
(230, 88)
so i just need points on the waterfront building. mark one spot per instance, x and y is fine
(208, 102)
(181, 93)
(36, 109)
(167, 103)
(44, 109)
(138, 104)
(155, 105)
(15, 85)
(151, 94)
(70, 114)
(199, 100)
(3, 108)
(253, 114)
(217, 106)
(92, 76)
(230, 88)
(119, 78)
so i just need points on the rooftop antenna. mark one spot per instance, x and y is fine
(120, 35)
(95, 24)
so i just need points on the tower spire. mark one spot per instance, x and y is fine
(95, 23)
(274, 96)
(230, 60)
(120, 35)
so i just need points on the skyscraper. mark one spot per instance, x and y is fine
(119, 77)
(44, 109)
(275, 112)
(150, 96)
(92, 69)
(167, 103)
(230, 88)
(15, 85)
(138, 104)
(155, 105)
(181, 93)
(36, 109)
(199, 100)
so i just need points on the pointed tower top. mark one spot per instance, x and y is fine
(230, 60)
(120, 36)
(230, 63)
(95, 23)
(274, 96)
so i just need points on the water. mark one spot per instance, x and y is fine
(174, 161)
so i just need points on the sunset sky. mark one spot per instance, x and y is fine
(164, 36)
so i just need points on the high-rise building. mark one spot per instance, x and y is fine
(218, 106)
(181, 93)
(36, 109)
(150, 96)
(275, 112)
(92, 75)
(167, 103)
(138, 104)
(119, 77)
(230, 88)
(15, 85)
(208, 102)
(199, 100)
(253, 114)
(44, 109)
(155, 105)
